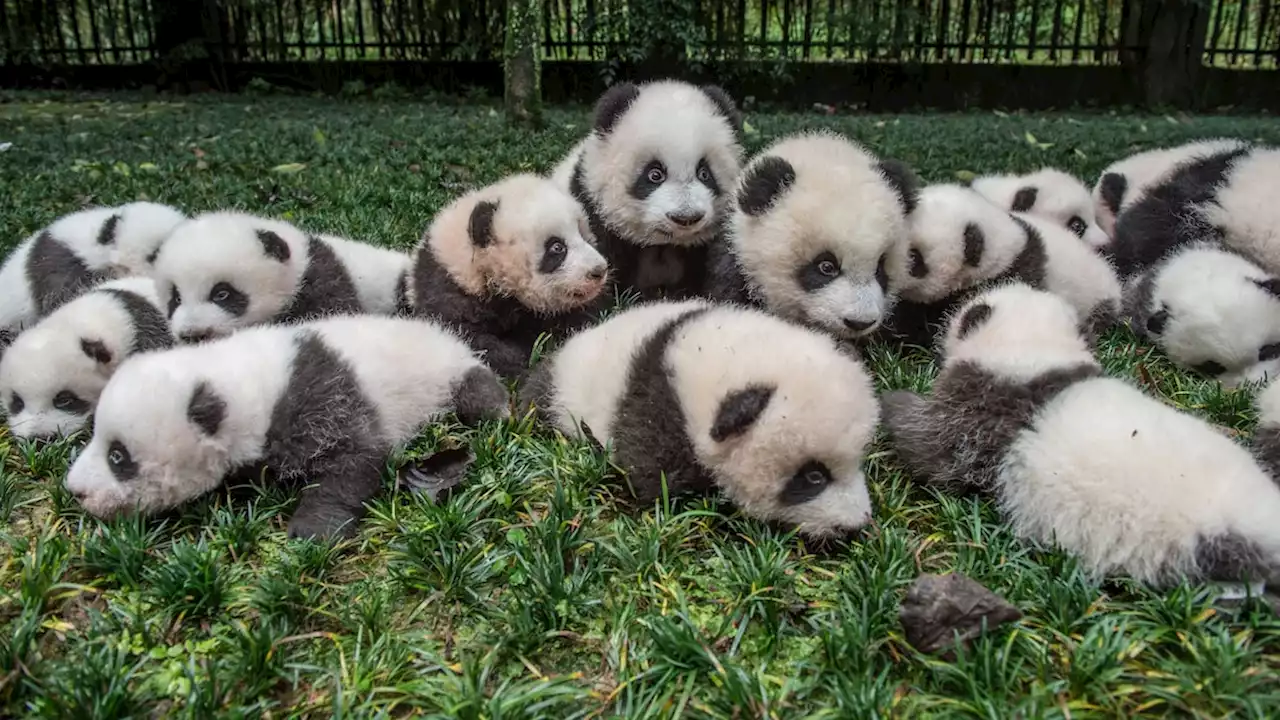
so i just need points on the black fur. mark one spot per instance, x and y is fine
(480, 225)
(403, 306)
(613, 104)
(233, 301)
(56, 275)
(326, 287)
(1135, 305)
(726, 107)
(975, 317)
(725, 280)
(1165, 217)
(206, 410)
(479, 395)
(711, 182)
(1029, 266)
(107, 235)
(1024, 199)
(1270, 286)
(919, 268)
(69, 402)
(739, 410)
(903, 181)
(1113, 188)
(808, 483)
(150, 329)
(642, 187)
(811, 279)
(1230, 557)
(974, 243)
(958, 437)
(1266, 447)
(767, 180)
(914, 323)
(274, 245)
(536, 391)
(95, 350)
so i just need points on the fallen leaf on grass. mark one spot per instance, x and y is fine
(288, 168)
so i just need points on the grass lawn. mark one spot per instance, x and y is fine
(533, 593)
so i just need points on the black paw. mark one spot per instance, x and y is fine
(326, 526)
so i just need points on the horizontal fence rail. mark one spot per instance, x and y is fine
(1239, 34)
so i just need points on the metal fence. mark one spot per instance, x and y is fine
(1240, 33)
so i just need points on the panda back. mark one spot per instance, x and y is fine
(375, 272)
(1246, 209)
(1076, 273)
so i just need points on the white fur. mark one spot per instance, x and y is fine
(839, 203)
(675, 123)
(375, 271)
(1267, 403)
(405, 366)
(47, 359)
(937, 233)
(1075, 273)
(1145, 169)
(562, 173)
(1247, 209)
(1061, 199)
(140, 230)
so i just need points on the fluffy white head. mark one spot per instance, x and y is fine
(819, 230)
(1077, 274)
(52, 375)
(141, 229)
(958, 238)
(1017, 332)
(661, 160)
(1214, 312)
(1054, 195)
(227, 270)
(523, 237)
(1246, 208)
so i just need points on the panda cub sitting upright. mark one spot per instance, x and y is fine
(222, 271)
(716, 396)
(76, 252)
(655, 175)
(817, 234)
(1022, 410)
(506, 263)
(52, 375)
(1051, 194)
(319, 404)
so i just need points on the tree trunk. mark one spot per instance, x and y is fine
(1171, 37)
(522, 64)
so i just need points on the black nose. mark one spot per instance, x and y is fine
(858, 325)
(195, 337)
(685, 219)
(597, 273)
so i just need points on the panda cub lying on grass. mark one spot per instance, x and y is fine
(1022, 411)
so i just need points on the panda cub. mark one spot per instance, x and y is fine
(76, 252)
(223, 271)
(718, 396)
(506, 263)
(1022, 410)
(1266, 437)
(817, 234)
(1126, 181)
(51, 376)
(320, 403)
(654, 176)
(1211, 311)
(1048, 193)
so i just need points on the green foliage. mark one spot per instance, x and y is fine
(535, 591)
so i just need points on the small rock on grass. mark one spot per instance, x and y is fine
(437, 475)
(939, 606)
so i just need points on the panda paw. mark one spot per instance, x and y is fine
(322, 523)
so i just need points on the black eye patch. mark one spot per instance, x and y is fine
(974, 242)
(819, 272)
(68, 402)
(973, 319)
(16, 405)
(554, 251)
(1024, 199)
(808, 483)
(766, 180)
(1113, 189)
(882, 274)
(107, 235)
(121, 462)
(1269, 352)
(175, 299)
(1157, 322)
(229, 298)
(918, 267)
(1209, 368)
(708, 178)
(650, 178)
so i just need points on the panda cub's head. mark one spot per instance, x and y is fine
(1016, 332)
(819, 230)
(958, 238)
(1211, 311)
(223, 271)
(1051, 194)
(139, 229)
(661, 159)
(522, 237)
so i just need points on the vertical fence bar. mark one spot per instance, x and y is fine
(110, 30)
(1242, 11)
(1075, 41)
(1263, 16)
(966, 8)
(1055, 34)
(942, 34)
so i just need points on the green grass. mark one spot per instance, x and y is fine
(535, 591)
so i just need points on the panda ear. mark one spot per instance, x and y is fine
(974, 242)
(96, 350)
(107, 235)
(973, 319)
(739, 410)
(725, 104)
(1111, 189)
(1155, 323)
(903, 181)
(766, 180)
(206, 410)
(612, 104)
(1270, 285)
(480, 226)
(1024, 199)
(274, 245)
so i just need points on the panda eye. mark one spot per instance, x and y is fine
(809, 481)
(175, 299)
(15, 404)
(1209, 368)
(1269, 352)
(882, 275)
(1077, 226)
(120, 461)
(655, 174)
(1156, 323)
(816, 477)
(704, 173)
(828, 268)
(69, 402)
(918, 268)
(556, 246)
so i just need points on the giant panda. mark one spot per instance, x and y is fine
(562, 173)
(817, 234)
(1266, 436)
(319, 403)
(76, 252)
(506, 263)
(226, 270)
(1022, 411)
(1210, 310)
(716, 396)
(1047, 193)
(1126, 181)
(52, 374)
(655, 175)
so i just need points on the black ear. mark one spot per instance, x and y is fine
(96, 350)
(107, 235)
(738, 410)
(904, 182)
(480, 227)
(767, 179)
(974, 242)
(1270, 285)
(1024, 199)
(1156, 323)
(973, 319)
(1112, 190)
(206, 410)
(725, 104)
(612, 104)
(274, 245)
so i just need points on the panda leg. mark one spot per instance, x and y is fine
(332, 505)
